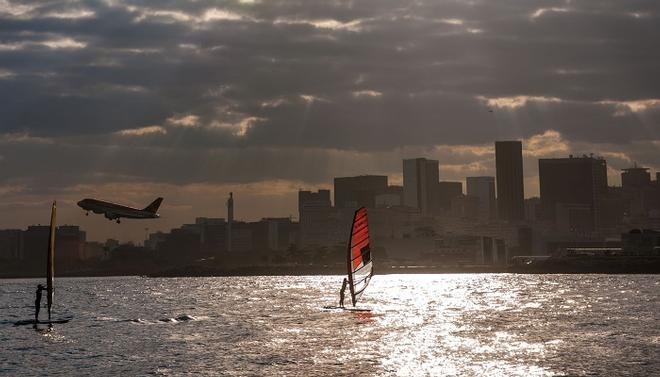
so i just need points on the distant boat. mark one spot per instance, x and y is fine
(359, 264)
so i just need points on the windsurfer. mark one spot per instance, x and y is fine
(342, 292)
(37, 302)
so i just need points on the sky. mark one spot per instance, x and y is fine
(189, 100)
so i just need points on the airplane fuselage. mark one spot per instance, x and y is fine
(113, 211)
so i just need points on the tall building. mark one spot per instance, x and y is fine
(420, 181)
(571, 191)
(635, 177)
(445, 192)
(483, 188)
(360, 191)
(308, 200)
(510, 189)
(317, 218)
(642, 197)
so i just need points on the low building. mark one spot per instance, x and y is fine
(95, 251)
(70, 244)
(11, 244)
(457, 250)
(641, 242)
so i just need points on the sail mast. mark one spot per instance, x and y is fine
(50, 264)
(349, 263)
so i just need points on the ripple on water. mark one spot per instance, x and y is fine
(452, 325)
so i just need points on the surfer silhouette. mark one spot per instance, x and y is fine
(37, 302)
(342, 292)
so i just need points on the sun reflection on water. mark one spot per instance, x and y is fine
(453, 325)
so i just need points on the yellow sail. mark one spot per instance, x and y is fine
(50, 264)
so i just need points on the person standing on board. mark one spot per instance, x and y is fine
(342, 292)
(37, 302)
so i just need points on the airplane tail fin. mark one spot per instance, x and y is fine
(153, 207)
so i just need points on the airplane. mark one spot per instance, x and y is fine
(114, 211)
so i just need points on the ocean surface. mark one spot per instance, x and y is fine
(420, 325)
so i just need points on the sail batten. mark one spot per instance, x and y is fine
(358, 261)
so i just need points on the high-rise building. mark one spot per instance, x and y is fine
(642, 196)
(310, 200)
(420, 180)
(483, 188)
(635, 177)
(446, 192)
(317, 218)
(360, 191)
(571, 186)
(510, 189)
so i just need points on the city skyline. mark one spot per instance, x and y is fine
(354, 185)
(309, 100)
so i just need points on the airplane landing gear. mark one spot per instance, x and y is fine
(87, 213)
(118, 222)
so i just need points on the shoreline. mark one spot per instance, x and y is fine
(211, 271)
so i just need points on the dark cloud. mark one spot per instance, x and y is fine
(293, 89)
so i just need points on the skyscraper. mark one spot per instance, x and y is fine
(446, 192)
(635, 177)
(510, 189)
(483, 188)
(317, 218)
(420, 180)
(353, 192)
(571, 190)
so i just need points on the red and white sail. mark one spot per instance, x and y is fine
(359, 263)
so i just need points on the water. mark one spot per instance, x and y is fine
(450, 325)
